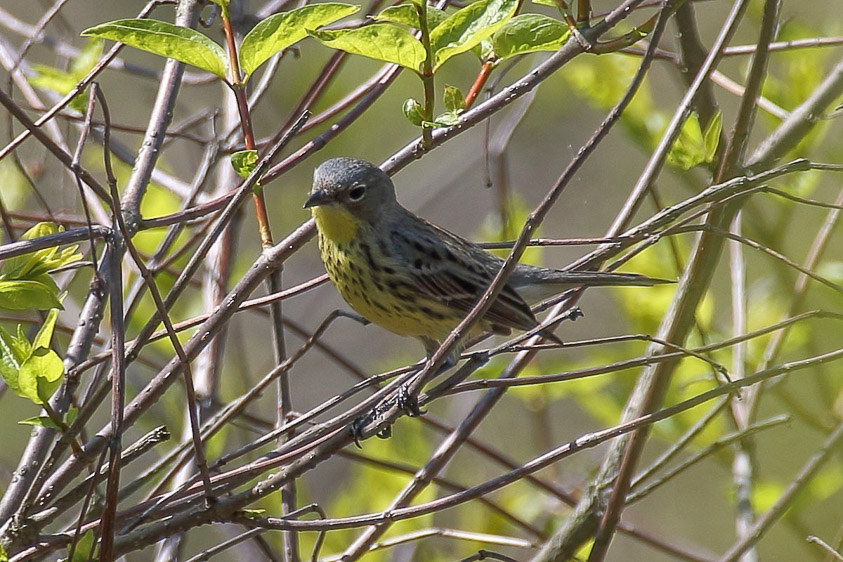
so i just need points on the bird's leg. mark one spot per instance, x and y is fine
(403, 399)
(408, 401)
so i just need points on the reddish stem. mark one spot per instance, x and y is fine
(479, 83)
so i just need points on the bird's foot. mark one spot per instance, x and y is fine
(408, 402)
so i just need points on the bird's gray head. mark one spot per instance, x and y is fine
(359, 187)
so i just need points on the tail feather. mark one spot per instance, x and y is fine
(537, 283)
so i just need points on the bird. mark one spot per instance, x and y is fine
(414, 278)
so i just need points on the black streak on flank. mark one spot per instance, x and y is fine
(369, 259)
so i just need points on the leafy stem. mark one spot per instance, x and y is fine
(238, 88)
(426, 74)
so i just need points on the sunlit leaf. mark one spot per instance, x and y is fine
(45, 333)
(469, 26)
(87, 59)
(27, 295)
(413, 112)
(244, 162)
(454, 100)
(167, 40)
(528, 33)
(381, 41)
(40, 375)
(279, 31)
(689, 149)
(86, 542)
(42, 421)
(13, 352)
(406, 14)
(711, 137)
(35, 264)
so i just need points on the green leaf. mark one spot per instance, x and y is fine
(279, 31)
(167, 40)
(27, 295)
(4, 557)
(469, 26)
(40, 375)
(88, 58)
(406, 14)
(45, 333)
(711, 138)
(43, 421)
(454, 100)
(52, 79)
(413, 112)
(689, 148)
(41, 229)
(550, 3)
(31, 266)
(244, 162)
(85, 544)
(445, 120)
(380, 41)
(13, 352)
(529, 33)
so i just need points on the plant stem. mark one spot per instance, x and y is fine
(426, 75)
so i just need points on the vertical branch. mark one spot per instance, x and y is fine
(273, 282)
(679, 319)
(118, 389)
(743, 461)
(16, 495)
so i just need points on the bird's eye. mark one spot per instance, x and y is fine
(357, 193)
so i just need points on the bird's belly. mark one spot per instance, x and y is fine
(381, 297)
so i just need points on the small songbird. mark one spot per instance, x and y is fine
(412, 277)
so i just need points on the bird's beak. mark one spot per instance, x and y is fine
(318, 197)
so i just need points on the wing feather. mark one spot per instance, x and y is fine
(455, 273)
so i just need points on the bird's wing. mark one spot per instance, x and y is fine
(455, 273)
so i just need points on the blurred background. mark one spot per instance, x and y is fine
(458, 187)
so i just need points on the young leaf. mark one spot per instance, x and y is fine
(45, 333)
(40, 375)
(406, 14)
(31, 266)
(279, 31)
(43, 421)
(445, 120)
(469, 26)
(86, 542)
(52, 79)
(27, 295)
(528, 33)
(87, 59)
(380, 41)
(62, 82)
(244, 162)
(454, 100)
(711, 137)
(691, 147)
(413, 112)
(167, 40)
(40, 230)
(13, 352)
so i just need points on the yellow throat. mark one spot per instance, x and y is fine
(335, 223)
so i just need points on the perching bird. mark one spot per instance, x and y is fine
(412, 277)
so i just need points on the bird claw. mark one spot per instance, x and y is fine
(408, 402)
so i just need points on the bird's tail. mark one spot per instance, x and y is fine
(540, 283)
(603, 279)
